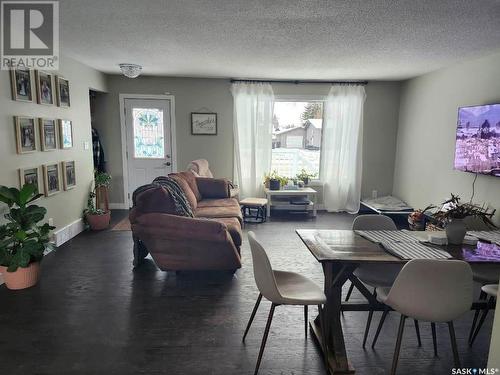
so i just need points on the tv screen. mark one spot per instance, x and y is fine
(478, 139)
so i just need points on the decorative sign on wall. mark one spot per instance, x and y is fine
(203, 123)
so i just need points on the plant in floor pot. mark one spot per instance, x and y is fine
(23, 240)
(96, 217)
(453, 213)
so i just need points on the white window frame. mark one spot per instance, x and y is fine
(307, 98)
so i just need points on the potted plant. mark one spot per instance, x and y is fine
(417, 219)
(23, 240)
(274, 181)
(453, 213)
(305, 177)
(98, 218)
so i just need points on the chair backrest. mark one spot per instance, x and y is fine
(373, 222)
(262, 270)
(432, 290)
(200, 168)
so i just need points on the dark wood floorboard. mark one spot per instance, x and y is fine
(92, 314)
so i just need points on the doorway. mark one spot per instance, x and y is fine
(148, 140)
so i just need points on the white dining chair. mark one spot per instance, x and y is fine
(431, 290)
(490, 290)
(281, 288)
(376, 275)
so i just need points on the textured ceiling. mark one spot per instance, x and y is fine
(360, 39)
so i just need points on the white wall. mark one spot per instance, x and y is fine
(192, 94)
(66, 206)
(426, 134)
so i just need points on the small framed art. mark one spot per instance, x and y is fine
(51, 179)
(44, 88)
(203, 123)
(63, 96)
(48, 134)
(66, 133)
(69, 174)
(25, 134)
(29, 176)
(20, 81)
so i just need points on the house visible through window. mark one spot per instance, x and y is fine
(297, 129)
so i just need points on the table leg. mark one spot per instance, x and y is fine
(335, 277)
(314, 204)
(268, 205)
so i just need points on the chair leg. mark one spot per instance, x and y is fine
(259, 298)
(434, 339)
(368, 322)
(305, 319)
(482, 296)
(398, 344)
(349, 292)
(454, 344)
(321, 312)
(481, 321)
(380, 324)
(264, 338)
(417, 330)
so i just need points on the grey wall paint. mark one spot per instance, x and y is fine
(66, 206)
(192, 94)
(426, 136)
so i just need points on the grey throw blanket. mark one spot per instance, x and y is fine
(182, 206)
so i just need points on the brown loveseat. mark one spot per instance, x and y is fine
(209, 241)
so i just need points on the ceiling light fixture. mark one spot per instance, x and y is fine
(131, 70)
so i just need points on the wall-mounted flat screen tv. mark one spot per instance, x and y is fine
(478, 139)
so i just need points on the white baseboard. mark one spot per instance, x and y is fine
(118, 206)
(66, 233)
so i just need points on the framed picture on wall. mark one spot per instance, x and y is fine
(66, 133)
(44, 88)
(51, 179)
(69, 174)
(203, 123)
(63, 97)
(29, 176)
(25, 134)
(20, 81)
(48, 134)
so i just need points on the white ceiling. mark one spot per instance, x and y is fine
(359, 39)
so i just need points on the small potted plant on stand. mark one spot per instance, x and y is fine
(274, 181)
(453, 213)
(97, 214)
(305, 177)
(23, 240)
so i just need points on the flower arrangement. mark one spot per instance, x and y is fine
(453, 208)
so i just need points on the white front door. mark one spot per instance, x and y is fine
(149, 141)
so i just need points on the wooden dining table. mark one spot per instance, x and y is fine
(340, 252)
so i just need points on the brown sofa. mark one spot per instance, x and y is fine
(209, 241)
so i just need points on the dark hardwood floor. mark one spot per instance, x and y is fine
(92, 313)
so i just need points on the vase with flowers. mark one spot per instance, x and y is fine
(452, 215)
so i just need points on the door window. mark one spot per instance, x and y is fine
(148, 133)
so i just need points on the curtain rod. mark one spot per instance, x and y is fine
(298, 82)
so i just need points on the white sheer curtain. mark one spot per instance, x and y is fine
(252, 124)
(342, 148)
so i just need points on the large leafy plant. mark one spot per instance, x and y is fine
(22, 239)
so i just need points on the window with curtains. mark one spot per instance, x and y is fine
(297, 134)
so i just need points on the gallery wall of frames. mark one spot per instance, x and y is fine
(40, 134)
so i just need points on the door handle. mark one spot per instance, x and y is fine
(168, 164)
